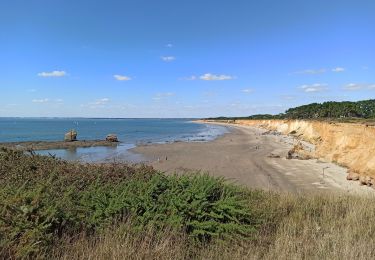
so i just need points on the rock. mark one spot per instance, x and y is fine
(352, 176)
(271, 155)
(362, 180)
(298, 152)
(111, 138)
(369, 181)
(70, 136)
(271, 132)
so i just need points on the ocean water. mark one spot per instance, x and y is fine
(131, 132)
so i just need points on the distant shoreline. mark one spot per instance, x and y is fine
(252, 157)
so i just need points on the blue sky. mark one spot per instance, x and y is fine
(170, 58)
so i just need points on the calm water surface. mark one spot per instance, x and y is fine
(129, 131)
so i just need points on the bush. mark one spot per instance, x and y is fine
(43, 199)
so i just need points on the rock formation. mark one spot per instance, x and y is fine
(352, 176)
(111, 138)
(347, 144)
(298, 152)
(70, 136)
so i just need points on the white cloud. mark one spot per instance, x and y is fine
(190, 78)
(359, 86)
(55, 73)
(44, 100)
(338, 69)
(59, 100)
(168, 58)
(247, 90)
(314, 88)
(160, 96)
(319, 71)
(209, 76)
(122, 78)
(169, 45)
(311, 71)
(353, 86)
(31, 90)
(101, 101)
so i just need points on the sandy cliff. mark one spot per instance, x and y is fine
(349, 145)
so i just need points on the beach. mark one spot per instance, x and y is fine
(253, 158)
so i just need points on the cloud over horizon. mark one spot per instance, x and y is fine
(247, 90)
(311, 71)
(359, 86)
(160, 96)
(55, 73)
(338, 69)
(168, 58)
(122, 77)
(43, 100)
(319, 71)
(209, 76)
(318, 87)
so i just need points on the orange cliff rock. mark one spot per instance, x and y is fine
(349, 145)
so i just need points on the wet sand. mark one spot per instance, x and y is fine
(249, 156)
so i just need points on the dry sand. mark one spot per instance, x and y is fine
(243, 156)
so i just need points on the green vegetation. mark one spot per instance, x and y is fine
(58, 210)
(327, 110)
(43, 198)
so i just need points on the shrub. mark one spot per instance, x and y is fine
(44, 198)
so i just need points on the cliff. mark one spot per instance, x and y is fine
(349, 145)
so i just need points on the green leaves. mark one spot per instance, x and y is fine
(39, 205)
(202, 204)
(346, 109)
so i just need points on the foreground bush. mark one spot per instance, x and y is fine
(44, 199)
(299, 227)
(57, 210)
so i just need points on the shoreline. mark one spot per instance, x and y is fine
(247, 155)
(55, 145)
(251, 157)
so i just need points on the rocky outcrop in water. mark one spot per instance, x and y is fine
(70, 136)
(111, 138)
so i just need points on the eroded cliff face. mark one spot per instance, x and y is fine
(349, 145)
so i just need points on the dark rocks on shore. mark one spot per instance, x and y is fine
(298, 152)
(363, 180)
(352, 176)
(70, 136)
(111, 138)
(272, 155)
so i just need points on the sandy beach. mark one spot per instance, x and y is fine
(254, 158)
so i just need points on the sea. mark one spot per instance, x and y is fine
(131, 132)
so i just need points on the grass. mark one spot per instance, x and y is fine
(54, 209)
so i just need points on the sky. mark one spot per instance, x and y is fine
(173, 58)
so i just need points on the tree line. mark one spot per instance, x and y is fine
(346, 109)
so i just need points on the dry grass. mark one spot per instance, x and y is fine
(122, 243)
(57, 210)
(317, 227)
